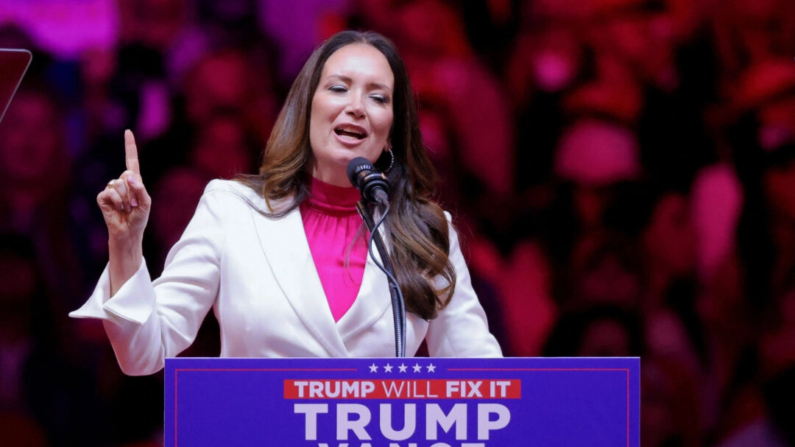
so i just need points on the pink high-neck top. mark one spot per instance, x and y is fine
(331, 223)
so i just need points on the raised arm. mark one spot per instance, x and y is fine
(125, 205)
(148, 321)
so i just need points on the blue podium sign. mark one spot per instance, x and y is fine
(411, 402)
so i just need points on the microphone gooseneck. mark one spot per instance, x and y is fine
(374, 187)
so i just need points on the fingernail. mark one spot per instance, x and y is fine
(133, 202)
(132, 181)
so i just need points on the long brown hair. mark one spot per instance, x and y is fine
(416, 226)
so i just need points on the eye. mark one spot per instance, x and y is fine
(380, 99)
(338, 88)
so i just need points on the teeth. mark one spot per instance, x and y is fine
(352, 133)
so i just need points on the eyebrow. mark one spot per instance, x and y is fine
(349, 80)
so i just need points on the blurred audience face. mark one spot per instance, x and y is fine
(595, 155)
(377, 14)
(720, 307)
(610, 281)
(19, 282)
(431, 27)
(16, 289)
(556, 60)
(617, 96)
(97, 66)
(219, 83)
(435, 136)
(605, 338)
(555, 10)
(669, 238)
(777, 122)
(779, 183)
(605, 272)
(658, 427)
(590, 204)
(767, 88)
(639, 36)
(351, 110)
(221, 149)
(158, 22)
(757, 13)
(777, 344)
(177, 196)
(30, 138)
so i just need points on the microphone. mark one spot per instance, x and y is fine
(373, 185)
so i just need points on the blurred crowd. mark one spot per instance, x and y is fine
(622, 174)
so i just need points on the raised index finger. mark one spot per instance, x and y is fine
(131, 152)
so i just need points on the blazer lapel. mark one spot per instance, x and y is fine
(285, 246)
(372, 301)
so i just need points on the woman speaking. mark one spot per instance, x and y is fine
(281, 257)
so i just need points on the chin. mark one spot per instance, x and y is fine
(344, 156)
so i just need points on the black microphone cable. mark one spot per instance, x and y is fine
(374, 187)
(398, 305)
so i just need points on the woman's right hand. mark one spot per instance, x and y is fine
(124, 202)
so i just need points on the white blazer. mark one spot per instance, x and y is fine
(258, 275)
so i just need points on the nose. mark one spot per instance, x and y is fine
(355, 107)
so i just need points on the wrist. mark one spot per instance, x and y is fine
(126, 257)
(125, 247)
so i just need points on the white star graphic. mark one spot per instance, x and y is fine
(417, 368)
(402, 368)
(388, 368)
(431, 368)
(373, 368)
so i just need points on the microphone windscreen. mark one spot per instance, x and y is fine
(356, 166)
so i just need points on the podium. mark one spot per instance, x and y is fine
(13, 65)
(402, 402)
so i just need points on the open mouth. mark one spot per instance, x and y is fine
(350, 131)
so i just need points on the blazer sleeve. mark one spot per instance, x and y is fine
(148, 321)
(461, 329)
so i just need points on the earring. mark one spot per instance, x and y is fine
(391, 161)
